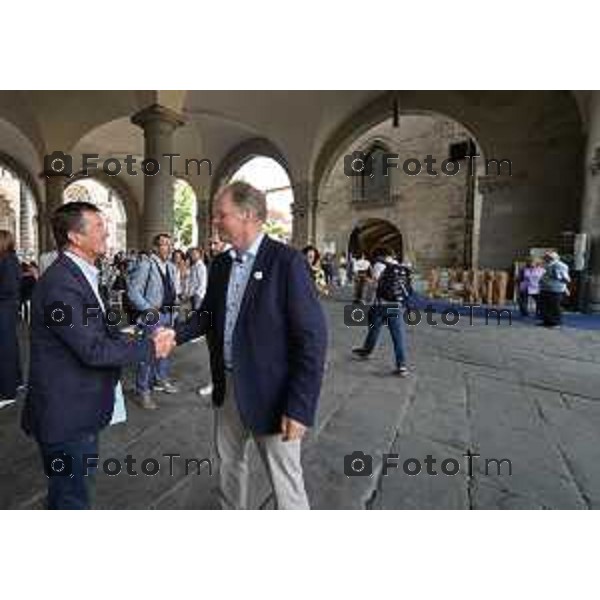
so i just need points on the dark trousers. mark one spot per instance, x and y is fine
(64, 465)
(550, 308)
(10, 360)
(359, 287)
(392, 316)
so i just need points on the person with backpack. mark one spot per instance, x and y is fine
(391, 296)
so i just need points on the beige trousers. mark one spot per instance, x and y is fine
(281, 460)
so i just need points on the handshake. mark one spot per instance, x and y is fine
(164, 341)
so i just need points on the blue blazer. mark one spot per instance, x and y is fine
(73, 369)
(279, 340)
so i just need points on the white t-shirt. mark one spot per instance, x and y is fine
(378, 269)
(362, 264)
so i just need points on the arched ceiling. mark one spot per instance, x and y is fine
(301, 123)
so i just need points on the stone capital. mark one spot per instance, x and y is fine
(157, 113)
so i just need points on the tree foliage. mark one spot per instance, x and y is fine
(184, 213)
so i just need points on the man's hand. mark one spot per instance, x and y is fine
(164, 341)
(291, 430)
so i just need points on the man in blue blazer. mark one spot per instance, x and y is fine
(267, 337)
(76, 359)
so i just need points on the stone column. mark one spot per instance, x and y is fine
(158, 124)
(55, 187)
(590, 215)
(25, 218)
(301, 214)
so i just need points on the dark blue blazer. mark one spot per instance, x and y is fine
(73, 369)
(279, 340)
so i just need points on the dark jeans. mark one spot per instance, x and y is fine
(378, 316)
(550, 308)
(73, 490)
(148, 373)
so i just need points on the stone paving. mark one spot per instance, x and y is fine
(519, 392)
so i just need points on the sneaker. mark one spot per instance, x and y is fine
(164, 385)
(400, 371)
(207, 390)
(145, 401)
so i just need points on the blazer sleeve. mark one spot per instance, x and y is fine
(88, 337)
(307, 334)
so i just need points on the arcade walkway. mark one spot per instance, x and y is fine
(518, 392)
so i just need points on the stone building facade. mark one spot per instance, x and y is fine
(433, 214)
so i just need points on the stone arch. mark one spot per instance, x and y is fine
(512, 125)
(24, 174)
(132, 210)
(243, 153)
(27, 226)
(376, 112)
(375, 237)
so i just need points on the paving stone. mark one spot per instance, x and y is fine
(521, 392)
(399, 490)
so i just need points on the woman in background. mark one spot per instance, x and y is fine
(316, 271)
(10, 297)
(181, 276)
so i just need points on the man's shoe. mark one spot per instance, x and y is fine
(164, 385)
(145, 401)
(400, 371)
(207, 390)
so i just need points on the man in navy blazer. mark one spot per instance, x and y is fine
(267, 338)
(76, 359)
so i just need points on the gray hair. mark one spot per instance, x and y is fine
(246, 197)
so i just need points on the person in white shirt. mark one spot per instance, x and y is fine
(181, 276)
(198, 278)
(362, 273)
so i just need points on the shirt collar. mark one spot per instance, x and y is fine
(88, 269)
(252, 250)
